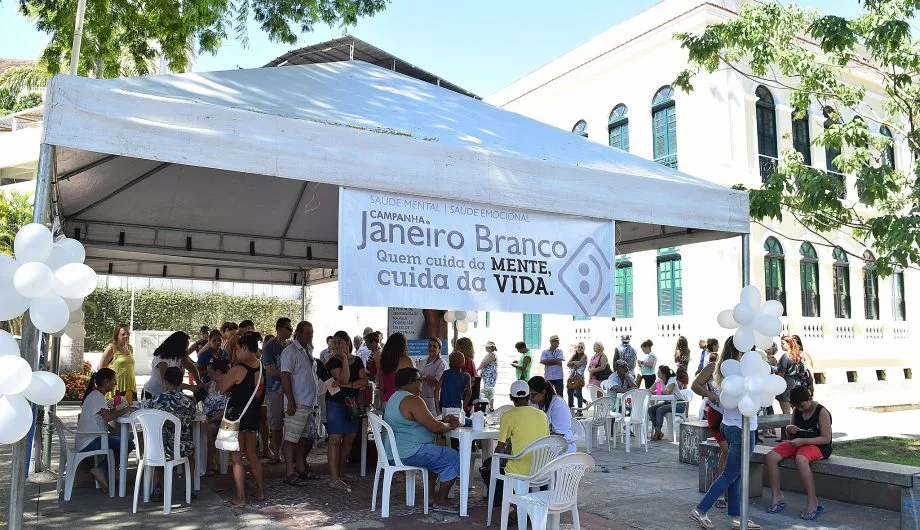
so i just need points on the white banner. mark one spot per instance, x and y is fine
(407, 251)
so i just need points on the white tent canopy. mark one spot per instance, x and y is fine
(234, 175)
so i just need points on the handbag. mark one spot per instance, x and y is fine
(604, 374)
(575, 381)
(355, 411)
(228, 435)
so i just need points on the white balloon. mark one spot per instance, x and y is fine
(776, 385)
(76, 317)
(8, 268)
(765, 369)
(12, 304)
(33, 243)
(728, 400)
(74, 248)
(450, 316)
(15, 374)
(73, 303)
(772, 307)
(462, 326)
(472, 317)
(766, 400)
(749, 406)
(46, 389)
(753, 386)
(744, 338)
(743, 314)
(750, 295)
(762, 341)
(49, 314)
(75, 280)
(75, 331)
(750, 364)
(768, 325)
(727, 320)
(730, 367)
(15, 418)
(33, 279)
(461, 315)
(8, 344)
(733, 385)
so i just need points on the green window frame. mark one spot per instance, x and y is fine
(841, 284)
(809, 284)
(618, 128)
(488, 319)
(774, 266)
(670, 283)
(870, 287)
(900, 304)
(765, 114)
(801, 138)
(889, 149)
(623, 288)
(664, 127)
(581, 128)
(533, 330)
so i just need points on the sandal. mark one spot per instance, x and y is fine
(272, 461)
(736, 525)
(307, 475)
(721, 504)
(811, 516)
(776, 508)
(340, 485)
(231, 503)
(294, 480)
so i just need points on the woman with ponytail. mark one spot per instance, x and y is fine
(95, 415)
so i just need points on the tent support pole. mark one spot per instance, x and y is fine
(31, 337)
(745, 421)
(303, 295)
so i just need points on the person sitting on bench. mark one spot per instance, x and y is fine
(811, 440)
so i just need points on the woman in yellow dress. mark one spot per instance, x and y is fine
(119, 356)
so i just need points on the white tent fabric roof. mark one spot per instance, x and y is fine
(179, 174)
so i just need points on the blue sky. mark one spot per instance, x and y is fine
(481, 45)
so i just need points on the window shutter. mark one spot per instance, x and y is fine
(801, 139)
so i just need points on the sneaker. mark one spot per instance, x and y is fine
(700, 518)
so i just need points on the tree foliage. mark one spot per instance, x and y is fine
(825, 62)
(125, 37)
(172, 310)
(16, 86)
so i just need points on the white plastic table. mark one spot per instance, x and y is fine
(669, 397)
(466, 435)
(124, 423)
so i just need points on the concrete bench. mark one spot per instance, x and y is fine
(694, 432)
(864, 482)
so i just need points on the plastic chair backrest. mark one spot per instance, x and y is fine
(563, 476)
(578, 431)
(152, 422)
(500, 411)
(62, 431)
(544, 450)
(381, 428)
(639, 401)
(595, 392)
(600, 410)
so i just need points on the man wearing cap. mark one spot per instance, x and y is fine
(519, 427)
(488, 370)
(553, 359)
(626, 353)
(620, 382)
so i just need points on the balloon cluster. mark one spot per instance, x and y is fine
(18, 386)
(48, 278)
(748, 384)
(462, 318)
(756, 323)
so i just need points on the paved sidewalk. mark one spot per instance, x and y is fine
(638, 490)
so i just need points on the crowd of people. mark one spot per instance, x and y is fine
(285, 398)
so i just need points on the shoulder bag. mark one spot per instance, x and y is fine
(228, 435)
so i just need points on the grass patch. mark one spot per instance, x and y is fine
(904, 451)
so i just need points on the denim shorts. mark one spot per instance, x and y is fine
(443, 461)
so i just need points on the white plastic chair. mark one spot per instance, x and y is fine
(681, 417)
(154, 455)
(594, 392)
(70, 458)
(596, 414)
(636, 416)
(500, 411)
(542, 451)
(378, 426)
(563, 476)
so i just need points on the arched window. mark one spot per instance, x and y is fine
(870, 286)
(670, 283)
(889, 150)
(774, 265)
(841, 284)
(581, 128)
(831, 153)
(808, 277)
(664, 127)
(766, 132)
(618, 128)
(623, 288)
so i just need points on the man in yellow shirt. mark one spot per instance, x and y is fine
(519, 427)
